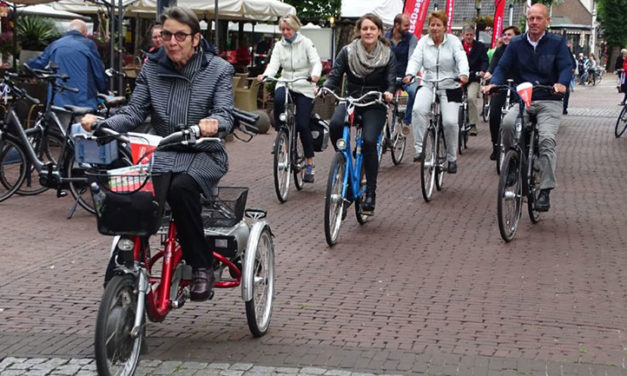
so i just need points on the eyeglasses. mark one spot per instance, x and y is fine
(179, 36)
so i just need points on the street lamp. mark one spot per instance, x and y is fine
(332, 22)
(478, 7)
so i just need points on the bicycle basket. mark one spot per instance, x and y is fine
(226, 209)
(133, 200)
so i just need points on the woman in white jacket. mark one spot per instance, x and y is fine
(441, 56)
(298, 57)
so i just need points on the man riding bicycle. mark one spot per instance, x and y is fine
(403, 43)
(184, 83)
(537, 56)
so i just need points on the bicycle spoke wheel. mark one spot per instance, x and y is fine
(533, 192)
(501, 155)
(440, 162)
(259, 308)
(427, 167)
(462, 126)
(334, 202)
(13, 162)
(47, 152)
(361, 217)
(299, 167)
(485, 113)
(282, 165)
(509, 195)
(397, 148)
(117, 350)
(621, 123)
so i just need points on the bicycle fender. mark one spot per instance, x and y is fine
(248, 262)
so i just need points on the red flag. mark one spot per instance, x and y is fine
(416, 10)
(497, 28)
(449, 14)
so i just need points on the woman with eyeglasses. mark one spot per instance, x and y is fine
(184, 83)
(297, 56)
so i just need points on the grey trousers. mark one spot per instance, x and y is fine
(548, 114)
(449, 110)
(473, 103)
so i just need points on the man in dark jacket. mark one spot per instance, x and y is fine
(478, 63)
(403, 44)
(537, 56)
(77, 56)
(184, 83)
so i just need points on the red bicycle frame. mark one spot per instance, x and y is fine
(158, 296)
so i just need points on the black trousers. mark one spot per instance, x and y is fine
(496, 106)
(304, 105)
(184, 200)
(372, 120)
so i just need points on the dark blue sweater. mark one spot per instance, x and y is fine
(549, 64)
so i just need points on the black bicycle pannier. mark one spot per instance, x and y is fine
(319, 132)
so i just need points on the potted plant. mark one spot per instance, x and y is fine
(34, 34)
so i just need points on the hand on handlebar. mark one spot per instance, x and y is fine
(208, 127)
(559, 88)
(463, 79)
(407, 79)
(260, 78)
(487, 76)
(387, 96)
(487, 88)
(88, 121)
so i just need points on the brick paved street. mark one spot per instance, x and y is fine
(421, 289)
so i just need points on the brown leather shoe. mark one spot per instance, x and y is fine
(202, 284)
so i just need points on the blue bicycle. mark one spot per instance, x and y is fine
(347, 180)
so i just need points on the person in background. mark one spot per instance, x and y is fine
(621, 69)
(498, 100)
(369, 65)
(478, 65)
(571, 86)
(155, 37)
(403, 44)
(78, 57)
(242, 55)
(592, 69)
(298, 58)
(499, 43)
(582, 67)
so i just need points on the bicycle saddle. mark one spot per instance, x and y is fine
(78, 110)
(110, 102)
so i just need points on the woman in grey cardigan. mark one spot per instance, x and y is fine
(184, 83)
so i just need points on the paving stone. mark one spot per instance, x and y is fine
(241, 366)
(337, 372)
(219, 365)
(228, 372)
(313, 371)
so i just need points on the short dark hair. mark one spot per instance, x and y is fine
(513, 28)
(398, 19)
(183, 15)
(374, 19)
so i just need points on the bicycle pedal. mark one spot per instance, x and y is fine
(61, 194)
(211, 295)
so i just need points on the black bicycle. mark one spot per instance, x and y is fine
(507, 105)
(621, 122)
(463, 122)
(392, 137)
(520, 171)
(289, 154)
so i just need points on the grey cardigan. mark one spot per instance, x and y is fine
(202, 90)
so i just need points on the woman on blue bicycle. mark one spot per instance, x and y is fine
(441, 56)
(369, 65)
(296, 54)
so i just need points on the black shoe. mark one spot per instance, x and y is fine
(495, 152)
(202, 284)
(565, 112)
(543, 203)
(472, 130)
(452, 167)
(419, 157)
(308, 176)
(367, 207)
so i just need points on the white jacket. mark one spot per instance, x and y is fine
(446, 61)
(298, 59)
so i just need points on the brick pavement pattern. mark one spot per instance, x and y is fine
(421, 289)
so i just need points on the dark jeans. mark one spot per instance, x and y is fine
(184, 200)
(373, 119)
(304, 105)
(496, 107)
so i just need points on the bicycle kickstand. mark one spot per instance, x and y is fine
(72, 209)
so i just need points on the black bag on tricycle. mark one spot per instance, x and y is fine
(319, 132)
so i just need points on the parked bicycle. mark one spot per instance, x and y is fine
(142, 284)
(392, 137)
(347, 178)
(44, 153)
(520, 171)
(289, 154)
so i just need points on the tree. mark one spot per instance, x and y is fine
(612, 18)
(316, 11)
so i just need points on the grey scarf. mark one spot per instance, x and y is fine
(362, 62)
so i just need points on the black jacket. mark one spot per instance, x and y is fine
(381, 79)
(477, 60)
